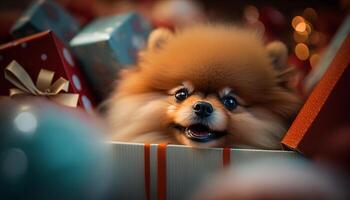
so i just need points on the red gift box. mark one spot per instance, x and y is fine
(326, 110)
(45, 51)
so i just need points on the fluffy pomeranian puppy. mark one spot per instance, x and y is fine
(206, 86)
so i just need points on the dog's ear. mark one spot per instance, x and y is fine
(278, 54)
(158, 38)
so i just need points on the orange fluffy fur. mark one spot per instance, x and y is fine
(209, 58)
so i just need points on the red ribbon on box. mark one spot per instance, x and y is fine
(147, 164)
(162, 169)
(226, 156)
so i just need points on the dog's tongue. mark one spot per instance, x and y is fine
(202, 133)
(198, 131)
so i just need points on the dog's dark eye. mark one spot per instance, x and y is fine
(229, 102)
(181, 94)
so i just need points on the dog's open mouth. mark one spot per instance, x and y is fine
(200, 132)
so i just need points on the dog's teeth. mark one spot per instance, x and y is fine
(200, 133)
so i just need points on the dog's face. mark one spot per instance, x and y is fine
(220, 118)
(198, 117)
(210, 86)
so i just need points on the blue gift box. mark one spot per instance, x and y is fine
(109, 44)
(45, 15)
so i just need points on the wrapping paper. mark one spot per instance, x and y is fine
(162, 171)
(109, 44)
(45, 51)
(44, 15)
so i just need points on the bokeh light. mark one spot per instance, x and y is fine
(302, 51)
(296, 20)
(251, 14)
(300, 27)
(308, 28)
(300, 36)
(315, 38)
(26, 122)
(314, 60)
(305, 34)
(14, 164)
(310, 14)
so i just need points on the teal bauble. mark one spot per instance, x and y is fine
(51, 152)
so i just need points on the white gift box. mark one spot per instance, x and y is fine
(174, 171)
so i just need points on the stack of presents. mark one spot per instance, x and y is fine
(52, 44)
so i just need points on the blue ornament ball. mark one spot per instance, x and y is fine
(51, 152)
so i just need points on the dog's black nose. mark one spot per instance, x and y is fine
(202, 109)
